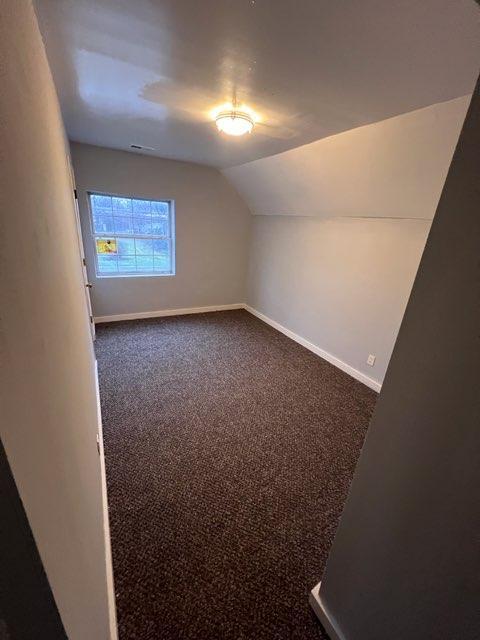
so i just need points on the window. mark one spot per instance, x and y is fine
(132, 237)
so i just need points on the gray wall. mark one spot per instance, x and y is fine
(48, 395)
(342, 284)
(340, 227)
(212, 227)
(405, 561)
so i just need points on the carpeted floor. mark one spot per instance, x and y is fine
(229, 452)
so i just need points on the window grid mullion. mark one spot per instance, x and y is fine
(97, 234)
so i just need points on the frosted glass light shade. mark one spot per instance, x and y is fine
(234, 123)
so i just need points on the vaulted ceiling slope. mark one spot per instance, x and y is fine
(149, 72)
(395, 168)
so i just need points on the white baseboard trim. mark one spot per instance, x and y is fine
(112, 610)
(168, 312)
(328, 622)
(358, 375)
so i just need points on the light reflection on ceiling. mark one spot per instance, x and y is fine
(151, 72)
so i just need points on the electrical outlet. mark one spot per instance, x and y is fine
(371, 360)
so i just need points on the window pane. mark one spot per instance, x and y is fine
(102, 222)
(161, 247)
(107, 263)
(160, 209)
(142, 208)
(122, 206)
(143, 247)
(161, 255)
(126, 246)
(162, 264)
(144, 263)
(160, 227)
(142, 226)
(123, 225)
(101, 202)
(127, 263)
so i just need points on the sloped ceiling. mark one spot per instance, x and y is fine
(150, 72)
(395, 168)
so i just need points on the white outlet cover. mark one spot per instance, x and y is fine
(371, 360)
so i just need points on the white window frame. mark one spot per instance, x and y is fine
(133, 274)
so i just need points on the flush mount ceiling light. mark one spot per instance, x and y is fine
(234, 123)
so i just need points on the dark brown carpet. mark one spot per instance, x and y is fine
(229, 452)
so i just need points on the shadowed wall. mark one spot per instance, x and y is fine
(26, 601)
(404, 563)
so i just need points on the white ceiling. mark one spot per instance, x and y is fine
(150, 72)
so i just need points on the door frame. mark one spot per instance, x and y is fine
(81, 249)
